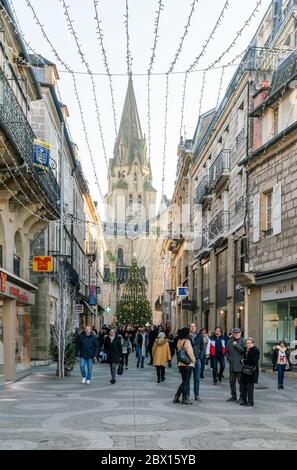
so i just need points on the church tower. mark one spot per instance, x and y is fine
(130, 202)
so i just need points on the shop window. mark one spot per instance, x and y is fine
(279, 323)
(22, 345)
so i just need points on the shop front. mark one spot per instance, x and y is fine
(279, 316)
(16, 295)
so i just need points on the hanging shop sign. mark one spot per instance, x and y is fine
(43, 264)
(92, 295)
(79, 308)
(41, 154)
(182, 292)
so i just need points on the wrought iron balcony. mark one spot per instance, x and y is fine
(16, 126)
(219, 172)
(202, 191)
(218, 227)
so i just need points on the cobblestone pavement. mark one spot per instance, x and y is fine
(42, 412)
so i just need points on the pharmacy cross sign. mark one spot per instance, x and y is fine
(107, 309)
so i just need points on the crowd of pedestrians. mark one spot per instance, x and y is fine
(194, 351)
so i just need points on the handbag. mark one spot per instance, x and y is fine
(182, 355)
(248, 370)
(120, 368)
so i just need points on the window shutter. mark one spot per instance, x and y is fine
(256, 227)
(277, 209)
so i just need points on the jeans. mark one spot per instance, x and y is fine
(83, 363)
(281, 373)
(140, 357)
(215, 361)
(203, 363)
(125, 358)
(186, 372)
(196, 375)
(113, 370)
(233, 377)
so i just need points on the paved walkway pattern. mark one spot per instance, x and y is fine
(43, 412)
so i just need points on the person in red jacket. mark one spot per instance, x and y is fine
(216, 349)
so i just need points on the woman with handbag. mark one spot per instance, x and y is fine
(281, 361)
(186, 363)
(250, 372)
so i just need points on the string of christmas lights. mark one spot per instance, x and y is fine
(106, 64)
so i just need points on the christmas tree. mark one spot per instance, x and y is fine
(134, 308)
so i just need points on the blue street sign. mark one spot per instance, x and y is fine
(182, 292)
(41, 154)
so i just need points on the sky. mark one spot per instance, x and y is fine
(141, 20)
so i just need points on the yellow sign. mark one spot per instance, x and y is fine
(42, 264)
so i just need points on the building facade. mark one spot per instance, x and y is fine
(28, 199)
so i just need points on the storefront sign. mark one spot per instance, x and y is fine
(279, 290)
(43, 264)
(21, 295)
(41, 154)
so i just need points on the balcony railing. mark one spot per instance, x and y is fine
(218, 227)
(202, 191)
(16, 126)
(220, 170)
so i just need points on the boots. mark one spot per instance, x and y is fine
(176, 399)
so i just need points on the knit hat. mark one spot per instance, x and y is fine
(161, 335)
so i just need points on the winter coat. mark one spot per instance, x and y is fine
(198, 346)
(186, 343)
(213, 341)
(275, 351)
(113, 349)
(126, 345)
(234, 354)
(86, 346)
(161, 352)
(251, 358)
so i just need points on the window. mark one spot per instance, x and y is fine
(130, 200)
(16, 260)
(275, 120)
(240, 256)
(139, 200)
(120, 260)
(240, 118)
(135, 178)
(268, 214)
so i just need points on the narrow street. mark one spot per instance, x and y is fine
(40, 412)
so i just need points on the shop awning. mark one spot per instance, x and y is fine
(89, 308)
(276, 275)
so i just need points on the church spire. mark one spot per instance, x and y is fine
(130, 144)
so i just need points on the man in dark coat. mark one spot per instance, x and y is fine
(234, 354)
(86, 350)
(113, 349)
